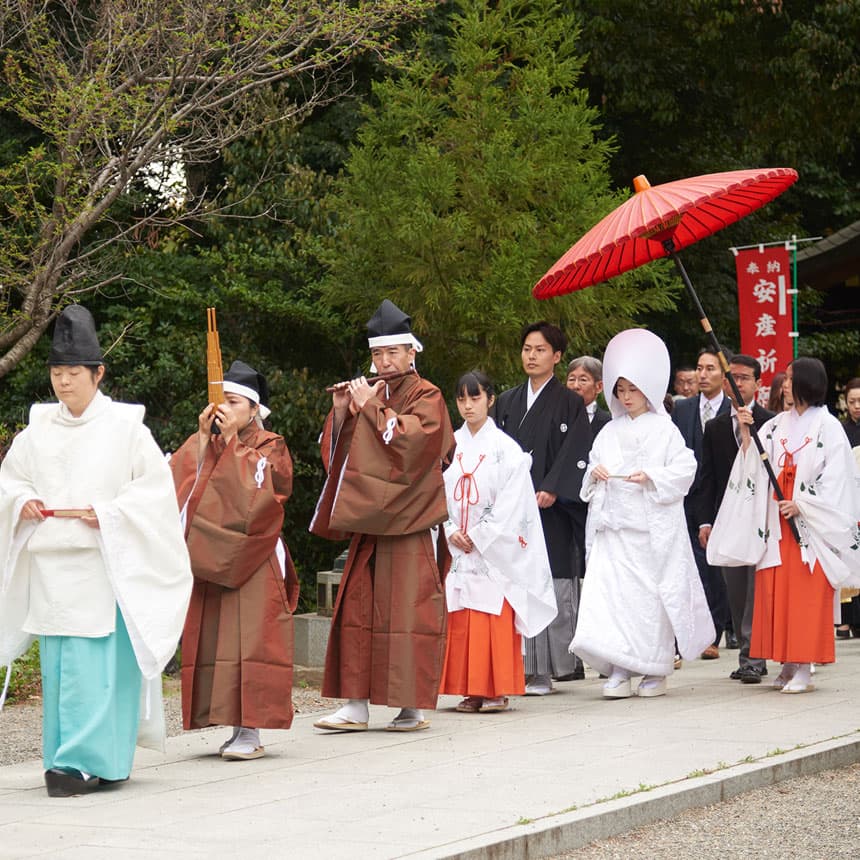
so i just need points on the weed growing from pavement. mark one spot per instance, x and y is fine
(626, 793)
(694, 774)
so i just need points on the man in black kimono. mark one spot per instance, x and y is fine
(549, 422)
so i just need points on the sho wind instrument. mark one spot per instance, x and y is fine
(214, 365)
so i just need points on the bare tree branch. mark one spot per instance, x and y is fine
(116, 87)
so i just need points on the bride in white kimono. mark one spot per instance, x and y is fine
(642, 589)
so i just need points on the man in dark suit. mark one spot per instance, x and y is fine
(549, 422)
(690, 415)
(719, 449)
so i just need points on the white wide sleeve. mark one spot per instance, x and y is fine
(146, 557)
(15, 490)
(829, 504)
(670, 482)
(509, 537)
(741, 532)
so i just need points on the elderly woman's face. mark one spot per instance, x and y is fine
(584, 384)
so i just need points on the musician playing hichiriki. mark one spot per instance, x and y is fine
(500, 587)
(237, 648)
(383, 446)
(94, 565)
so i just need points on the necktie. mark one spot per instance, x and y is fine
(707, 413)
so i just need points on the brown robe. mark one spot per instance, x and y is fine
(237, 646)
(385, 488)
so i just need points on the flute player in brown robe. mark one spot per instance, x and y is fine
(384, 446)
(237, 647)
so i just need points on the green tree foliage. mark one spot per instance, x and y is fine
(701, 86)
(118, 91)
(698, 87)
(472, 174)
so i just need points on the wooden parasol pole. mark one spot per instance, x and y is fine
(669, 245)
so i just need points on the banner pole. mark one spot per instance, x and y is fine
(735, 248)
(794, 292)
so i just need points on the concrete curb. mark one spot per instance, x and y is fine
(567, 831)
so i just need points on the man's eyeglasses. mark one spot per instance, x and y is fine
(742, 377)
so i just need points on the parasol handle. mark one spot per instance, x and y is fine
(669, 245)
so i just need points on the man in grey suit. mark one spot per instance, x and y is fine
(719, 449)
(691, 415)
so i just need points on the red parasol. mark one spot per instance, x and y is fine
(680, 212)
(657, 222)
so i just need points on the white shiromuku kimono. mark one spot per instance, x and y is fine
(642, 588)
(61, 578)
(826, 491)
(490, 483)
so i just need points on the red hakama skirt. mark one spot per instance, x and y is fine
(484, 655)
(793, 610)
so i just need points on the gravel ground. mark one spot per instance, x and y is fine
(21, 724)
(809, 818)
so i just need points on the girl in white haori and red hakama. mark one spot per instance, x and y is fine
(499, 588)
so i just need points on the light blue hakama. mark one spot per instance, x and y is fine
(90, 702)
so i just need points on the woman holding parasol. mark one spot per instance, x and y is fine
(795, 580)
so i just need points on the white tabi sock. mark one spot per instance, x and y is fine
(245, 742)
(787, 672)
(354, 711)
(236, 730)
(802, 676)
(618, 676)
(408, 715)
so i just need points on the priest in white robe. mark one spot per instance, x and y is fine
(642, 590)
(94, 564)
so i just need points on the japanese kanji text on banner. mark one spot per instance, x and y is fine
(765, 309)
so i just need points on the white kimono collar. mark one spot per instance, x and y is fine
(96, 406)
